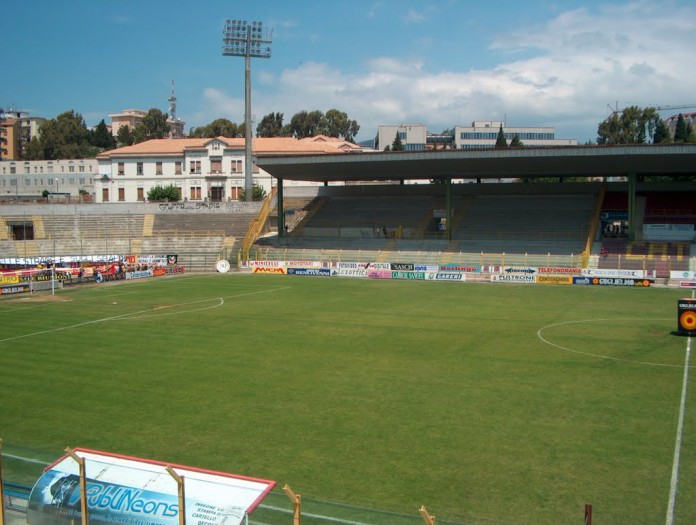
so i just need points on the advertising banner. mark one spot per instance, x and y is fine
(687, 284)
(278, 270)
(409, 275)
(582, 280)
(9, 279)
(519, 269)
(361, 265)
(447, 276)
(426, 268)
(690, 276)
(554, 279)
(317, 272)
(143, 274)
(379, 274)
(303, 264)
(617, 281)
(131, 491)
(459, 268)
(559, 271)
(349, 272)
(266, 264)
(513, 278)
(403, 267)
(11, 290)
(635, 274)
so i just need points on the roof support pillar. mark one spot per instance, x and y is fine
(448, 198)
(631, 207)
(281, 211)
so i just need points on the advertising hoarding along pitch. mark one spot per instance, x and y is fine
(131, 491)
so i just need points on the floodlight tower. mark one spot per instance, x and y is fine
(243, 39)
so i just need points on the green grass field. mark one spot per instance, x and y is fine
(487, 403)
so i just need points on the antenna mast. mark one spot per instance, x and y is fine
(172, 104)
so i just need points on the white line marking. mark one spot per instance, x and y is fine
(28, 460)
(599, 356)
(674, 482)
(131, 314)
(677, 445)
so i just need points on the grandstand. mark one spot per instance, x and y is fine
(540, 224)
(198, 234)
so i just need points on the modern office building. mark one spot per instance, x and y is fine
(481, 134)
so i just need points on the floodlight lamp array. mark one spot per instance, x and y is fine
(241, 38)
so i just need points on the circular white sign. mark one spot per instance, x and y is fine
(222, 266)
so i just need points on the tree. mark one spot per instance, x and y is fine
(305, 124)
(662, 134)
(337, 124)
(397, 145)
(164, 193)
(124, 136)
(257, 193)
(153, 126)
(101, 137)
(683, 131)
(220, 127)
(516, 142)
(634, 125)
(270, 126)
(34, 149)
(500, 142)
(64, 137)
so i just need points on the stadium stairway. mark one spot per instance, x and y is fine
(4, 234)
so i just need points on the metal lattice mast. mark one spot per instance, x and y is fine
(241, 38)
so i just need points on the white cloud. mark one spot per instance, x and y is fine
(636, 53)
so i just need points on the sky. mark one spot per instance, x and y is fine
(560, 63)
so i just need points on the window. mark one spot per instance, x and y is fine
(82, 169)
(139, 168)
(236, 166)
(195, 166)
(105, 194)
(216, 166)
(71, 168)
(177, 167)
(195, 193)
(216, 146)
(27, 169)
(158, 168)
(81, 181)
(13, 168)
(50, 167)
(141, 194)
(121, 168)
(121, 194)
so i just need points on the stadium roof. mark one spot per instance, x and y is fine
(592, 161)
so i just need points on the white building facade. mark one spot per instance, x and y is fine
(481, 134)
(484, 133)
(30, 178)
(202, 169)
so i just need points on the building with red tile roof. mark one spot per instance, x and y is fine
(201, 168)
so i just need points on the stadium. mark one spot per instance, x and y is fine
(483, 350)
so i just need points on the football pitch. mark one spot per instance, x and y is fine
(487, 403)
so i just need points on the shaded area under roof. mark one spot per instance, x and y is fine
(595, 161)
